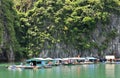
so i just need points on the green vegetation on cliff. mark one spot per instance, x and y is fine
(8, 21)
(48, 24)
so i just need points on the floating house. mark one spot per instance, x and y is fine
(109, 57)
(90, 60)
(35, 62)
(57, 61)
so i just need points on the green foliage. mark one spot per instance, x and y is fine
(1, 31)
(8, 22)
(112, 34)
(48, 22)
(111, 6)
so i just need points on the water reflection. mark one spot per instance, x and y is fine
(110, 70)
(78, 71)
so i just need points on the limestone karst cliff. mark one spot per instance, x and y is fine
(59, 28)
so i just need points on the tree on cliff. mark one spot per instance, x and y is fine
(8, 23)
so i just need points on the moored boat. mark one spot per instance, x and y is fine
(79, 60)
(91, 60)
(57, 61)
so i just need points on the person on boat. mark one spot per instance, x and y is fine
(110, 60)
(49, 63)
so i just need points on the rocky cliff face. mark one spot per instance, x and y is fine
(102, 35)
(114, 45)
(7, 32)
(105, 36)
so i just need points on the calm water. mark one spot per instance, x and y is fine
(78, 71)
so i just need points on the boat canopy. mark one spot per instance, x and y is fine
(91, 58)
(48, 58)
(39, 59)
(65, 58)
(57, 59)
(77, 58)
(74, 58)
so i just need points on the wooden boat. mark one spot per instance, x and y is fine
(110, 59)
(79, 60)
(114, 61)
(91, 60)
(29, 67)
(57, 62)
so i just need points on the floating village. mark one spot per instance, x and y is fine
(38, 63)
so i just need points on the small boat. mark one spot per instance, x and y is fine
(91, 60)
(79, 60)
(57, 62)
(110, 59)
(39, 63)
